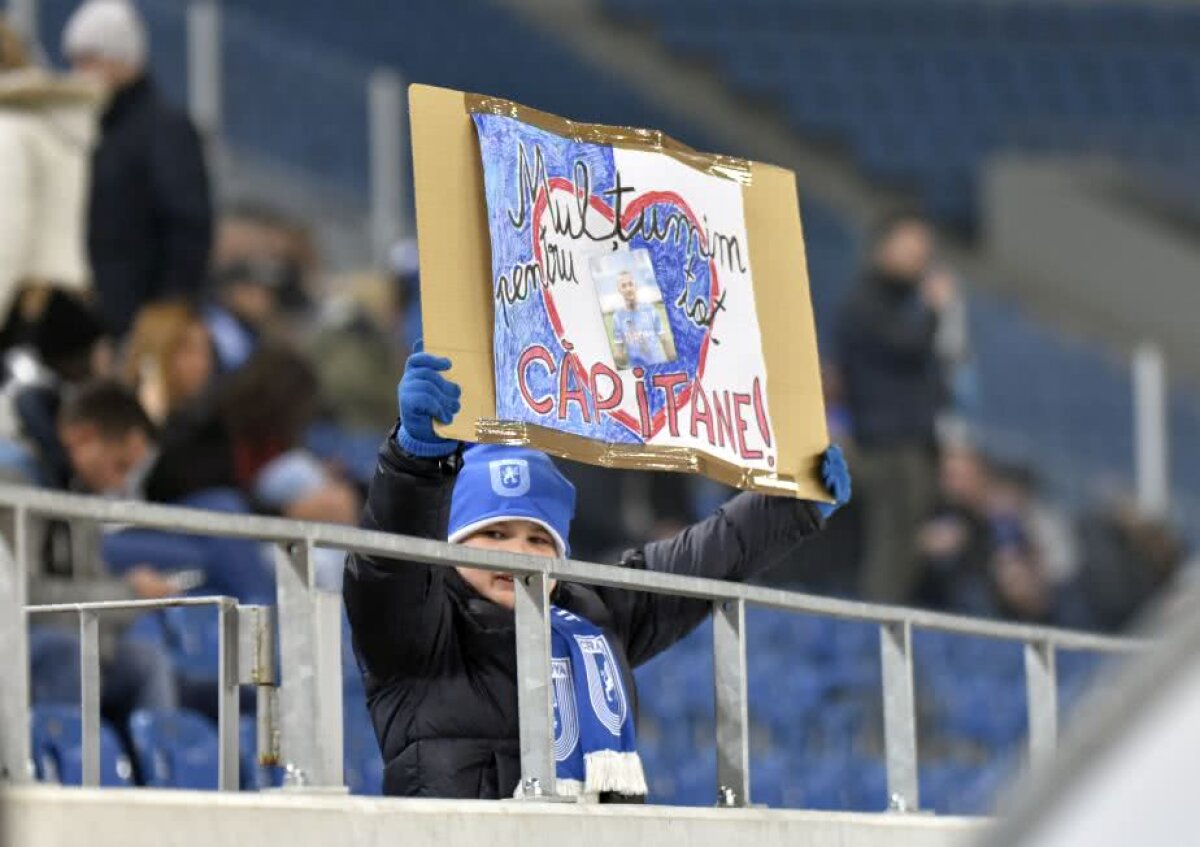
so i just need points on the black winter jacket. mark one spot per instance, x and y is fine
(150, 215)
(894, 384)
(439, 661)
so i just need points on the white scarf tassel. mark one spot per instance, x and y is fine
(611, 770)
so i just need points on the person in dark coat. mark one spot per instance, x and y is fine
(894, 391)
(150, 213)
(436, 644)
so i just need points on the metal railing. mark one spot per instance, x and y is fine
(308, 621)
(244, 656)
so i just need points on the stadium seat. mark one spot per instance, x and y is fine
(176, 749)
(858, 71)
(56, 745)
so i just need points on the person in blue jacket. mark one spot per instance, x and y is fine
(436, 644)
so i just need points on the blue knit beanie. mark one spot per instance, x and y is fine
(498, 483)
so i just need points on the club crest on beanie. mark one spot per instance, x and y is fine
(499, 483)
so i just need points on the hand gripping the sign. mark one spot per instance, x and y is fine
(424, 396)
(835, 473)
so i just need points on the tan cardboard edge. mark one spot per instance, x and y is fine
(456, 299)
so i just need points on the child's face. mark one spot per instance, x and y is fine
(511, 537)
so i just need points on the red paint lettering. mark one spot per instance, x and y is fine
(740, 400)
(724, 418)
(643, 403)
(667, 383)
(566, 394)
(616, 392)
(537, 353)
(701, 413)
(760, 411)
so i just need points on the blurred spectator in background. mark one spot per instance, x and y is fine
(954, 544)
(355, 354)
(47, 129)
(956, 358)
(65, 346)
(261, 267)
(993, 547)
(894, 391)
(1019, 511)
(253, 232)
(1126, 558)
(254, 428)
(150, 218)
(168, 359)
(244, 304)
(113, 447)
(265, 408)
(1017, 573)
(109, 439)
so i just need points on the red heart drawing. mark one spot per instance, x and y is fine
(632, 211)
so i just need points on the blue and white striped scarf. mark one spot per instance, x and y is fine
(594, 741)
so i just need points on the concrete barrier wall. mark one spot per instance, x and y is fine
(41, 816)
(1094, 255)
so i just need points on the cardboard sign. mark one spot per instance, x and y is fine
(611, 296)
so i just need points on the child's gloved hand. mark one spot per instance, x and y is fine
(836, 476)
(425, 395)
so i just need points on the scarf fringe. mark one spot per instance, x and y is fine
(610, 770)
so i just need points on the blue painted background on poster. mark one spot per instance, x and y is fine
(523, 322)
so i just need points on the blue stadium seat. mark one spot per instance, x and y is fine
(176, 749)
(56, 744)
(190, 633)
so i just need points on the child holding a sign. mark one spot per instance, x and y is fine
(436, 644)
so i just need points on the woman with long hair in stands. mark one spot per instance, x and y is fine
(168, 358)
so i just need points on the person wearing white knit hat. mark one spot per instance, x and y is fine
(106, 39)
(150, 216)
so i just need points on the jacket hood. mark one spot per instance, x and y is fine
(37, 88)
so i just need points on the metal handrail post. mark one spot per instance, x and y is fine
(228, 701)
(310, 697)
(89, 694)
(535, 694)
(733, 719)
(1041, 686)
(899, 716)
(14, 653)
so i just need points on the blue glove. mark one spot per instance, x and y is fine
(836, 476)
(425, 395)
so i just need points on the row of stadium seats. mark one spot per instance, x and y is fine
(816, 720)
(178, 749)
(923, 92)
(1016, 20)
(815, 709)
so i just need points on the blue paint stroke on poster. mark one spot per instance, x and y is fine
(653, 272)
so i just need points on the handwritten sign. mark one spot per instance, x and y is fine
(629, 320)
(624, 310)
